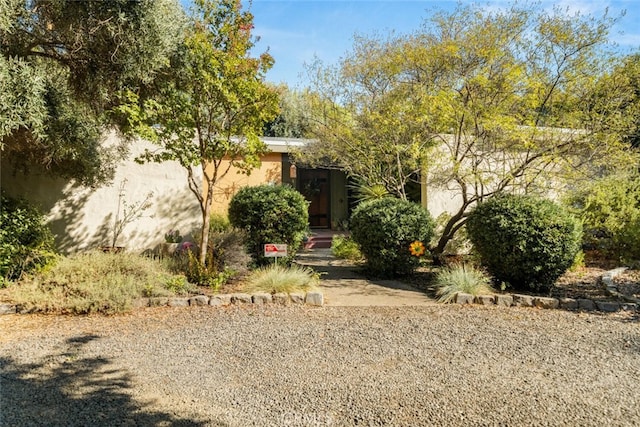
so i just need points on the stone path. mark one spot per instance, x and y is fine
(342, 285)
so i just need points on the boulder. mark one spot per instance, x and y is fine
(297, 298)
(220, 299)
(544, 302)
(586, 304)
(522, 300)
(568, 303)
(314, 298)
(199, 300)
(280, 298)
(241, 299)
(463, 298)
(504, 300)
(608, 306)
(178, 302)
(261, 298)
(485, 299)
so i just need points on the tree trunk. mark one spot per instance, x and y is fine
(450, 229)
(206, 219)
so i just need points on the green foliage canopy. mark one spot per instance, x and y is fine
(26, 243)
(62, 66)
(270, 214)
(211, 105)
(610, 211)
(480, 102)
(525, 241)
(294, 120)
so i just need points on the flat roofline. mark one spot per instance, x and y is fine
(284, 145)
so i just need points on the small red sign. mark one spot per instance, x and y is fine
(275, 250)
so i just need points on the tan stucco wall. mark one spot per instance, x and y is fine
(270, 171)
(81, 218)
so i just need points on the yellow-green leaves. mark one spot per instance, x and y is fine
(212, 103)
(502, 100)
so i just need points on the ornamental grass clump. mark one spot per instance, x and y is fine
(277, 278)
(95, 282)
(461, 278)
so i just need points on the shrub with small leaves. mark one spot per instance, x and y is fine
(385, 229)
(344, 247)
(610, 211)
(525, 241)
(210, 274)
(26, 243)
(219, 223)
(270, 214)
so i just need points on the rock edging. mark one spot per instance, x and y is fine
(259, 298)
(625, 302)
(313, 298)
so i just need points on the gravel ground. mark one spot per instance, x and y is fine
(337, 366)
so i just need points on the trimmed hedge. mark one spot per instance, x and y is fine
(384, 229)
(270, 214)
(524, 241)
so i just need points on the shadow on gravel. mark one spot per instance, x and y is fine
(66, 389)
(333, 269)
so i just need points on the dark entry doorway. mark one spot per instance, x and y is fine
(314, 185)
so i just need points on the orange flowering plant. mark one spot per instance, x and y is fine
(417, 248)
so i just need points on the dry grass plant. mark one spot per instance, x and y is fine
(276, 278)
(96, 282)
(461, 278)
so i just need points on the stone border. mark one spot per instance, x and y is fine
(260, 298)
(584, 304)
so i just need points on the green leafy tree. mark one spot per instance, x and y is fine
(365, 121)
(212, 106)
(294, 119)
(618, 92)
(482, 102)
(62, 66)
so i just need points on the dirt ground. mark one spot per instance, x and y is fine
(583, 282)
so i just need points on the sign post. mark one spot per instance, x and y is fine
(275, 250)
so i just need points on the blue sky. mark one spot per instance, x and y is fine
(296, 32)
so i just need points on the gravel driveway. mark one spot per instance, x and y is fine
(338, 366)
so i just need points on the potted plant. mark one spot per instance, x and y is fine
(172, 241)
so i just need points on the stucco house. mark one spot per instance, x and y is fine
(82, 218)
(326, 190)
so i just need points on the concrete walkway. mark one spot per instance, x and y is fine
(342, 285)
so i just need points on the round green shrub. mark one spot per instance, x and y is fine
(524, 241)
(270, 214)
(384, 228)
(26, 243)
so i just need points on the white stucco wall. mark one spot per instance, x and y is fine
(82, 218)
